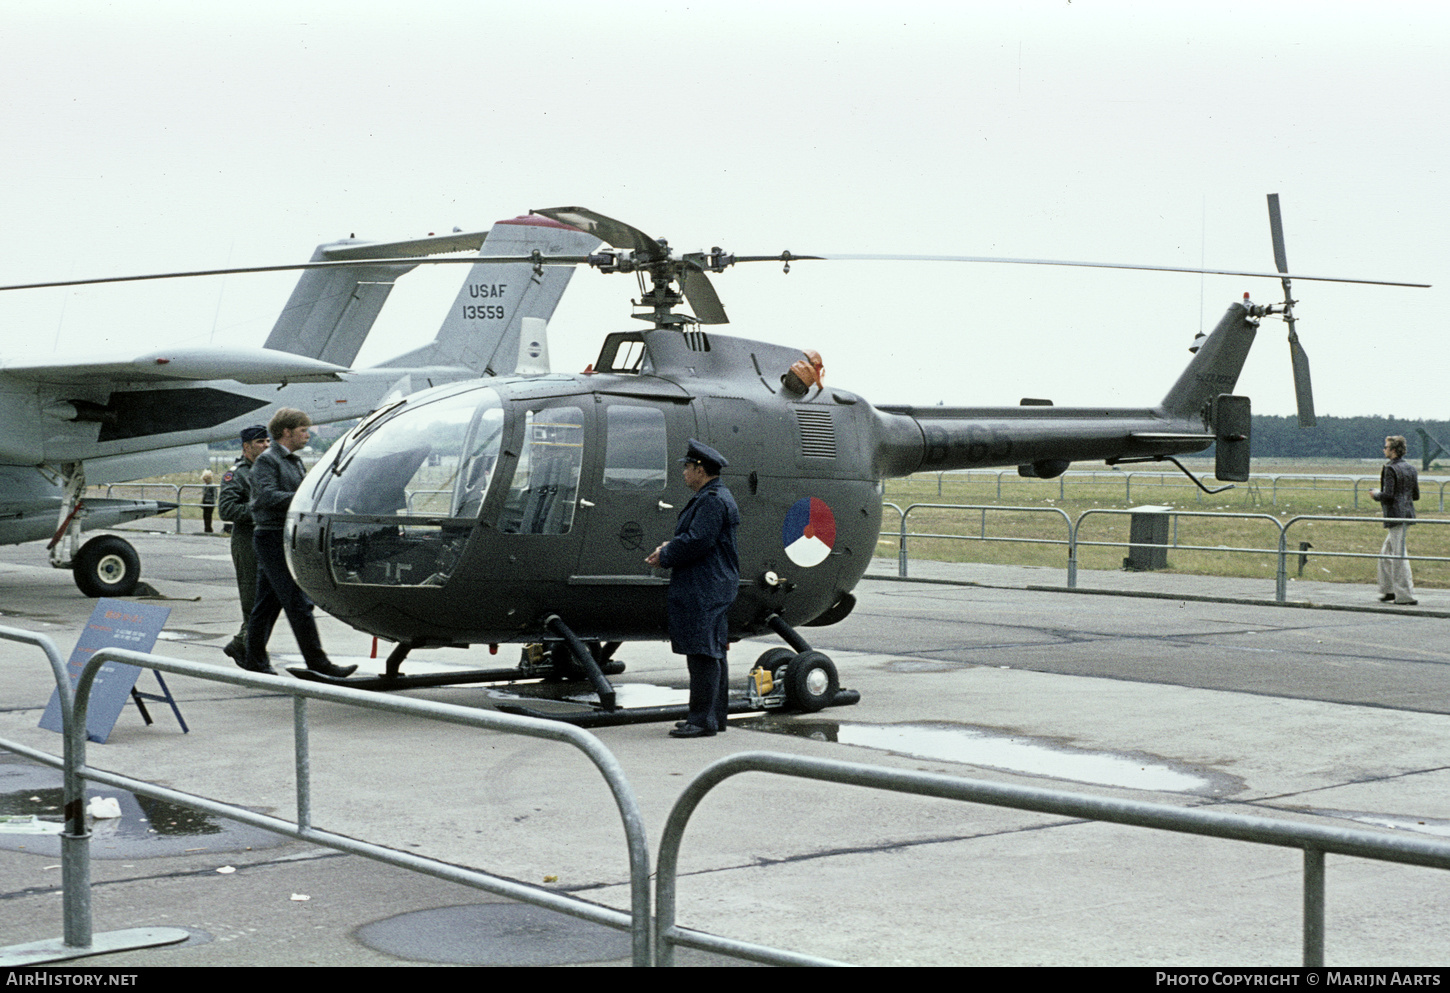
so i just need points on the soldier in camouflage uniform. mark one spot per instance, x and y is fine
(236, 506)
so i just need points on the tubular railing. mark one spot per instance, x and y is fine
(1313, 839)
(982, 536)
(75, 854)
(1279, 550)
(1377, 521)
(1256, 481)
(1280, 586)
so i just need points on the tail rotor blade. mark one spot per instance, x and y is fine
(1303, 390)
(1276, 230)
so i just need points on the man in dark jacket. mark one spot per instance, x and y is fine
(1399, 489)
(276, 475)
(703, 585)
(236, 507)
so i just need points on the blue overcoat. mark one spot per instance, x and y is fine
(706, 572)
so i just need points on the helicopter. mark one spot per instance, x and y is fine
(520, 509)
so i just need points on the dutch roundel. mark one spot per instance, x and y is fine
(809, 532)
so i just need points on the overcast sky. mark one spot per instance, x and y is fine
(148, 136)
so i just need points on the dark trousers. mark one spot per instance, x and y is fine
(244, 561)
(709, 691)
(278, 591)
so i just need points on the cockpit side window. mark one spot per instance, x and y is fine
(635, 450)
(545, 486)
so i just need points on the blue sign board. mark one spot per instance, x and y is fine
(113, 624)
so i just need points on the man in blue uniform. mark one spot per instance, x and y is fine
(703, 585)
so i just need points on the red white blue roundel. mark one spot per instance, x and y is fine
(809, 532)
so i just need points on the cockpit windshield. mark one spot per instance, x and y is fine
(431, 460)
(413, 482)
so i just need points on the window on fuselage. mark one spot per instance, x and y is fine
(636, 455)
(545, 486)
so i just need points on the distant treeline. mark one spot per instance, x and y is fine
(1341, 437)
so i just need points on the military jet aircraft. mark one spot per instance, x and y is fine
(521, 509)
(123, 413)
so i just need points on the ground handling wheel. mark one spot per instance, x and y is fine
(106, 566)
(811, 682)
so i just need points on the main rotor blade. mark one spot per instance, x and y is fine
(616, 233)
(1303, 391)
(295, 266)
(584, 259)
(1276, 230)
(704, 301)
(793, 257)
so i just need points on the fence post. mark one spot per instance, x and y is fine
(901, 547)
(1072, 553)
(1313, 908)
(303, 763)
(1281, 579)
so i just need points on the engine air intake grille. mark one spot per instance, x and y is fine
(818, 433)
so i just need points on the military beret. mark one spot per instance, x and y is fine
(253, 433)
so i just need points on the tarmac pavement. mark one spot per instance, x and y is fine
(1200, 694)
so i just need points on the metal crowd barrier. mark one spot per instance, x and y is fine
(1314, 839)
(982, 536)
(1074, 541)
(75, 852)
(1281, 582)
(1276, 481)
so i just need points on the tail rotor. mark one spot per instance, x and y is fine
(1303, 389)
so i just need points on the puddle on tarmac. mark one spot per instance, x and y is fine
(924, 665)
(996, 749)
(184, 635)
(1439, 827)
(145, 828)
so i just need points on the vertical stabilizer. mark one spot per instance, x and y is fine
(1216, 367)
(331, 311)
(483, 327)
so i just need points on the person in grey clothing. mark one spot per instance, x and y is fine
(1399, 489)
(276, 475)
(236, 508)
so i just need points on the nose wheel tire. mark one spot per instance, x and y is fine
(106, 566)
(811, 682)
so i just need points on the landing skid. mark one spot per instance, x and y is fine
(650, 715)
(795, 679)
(460, 677)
